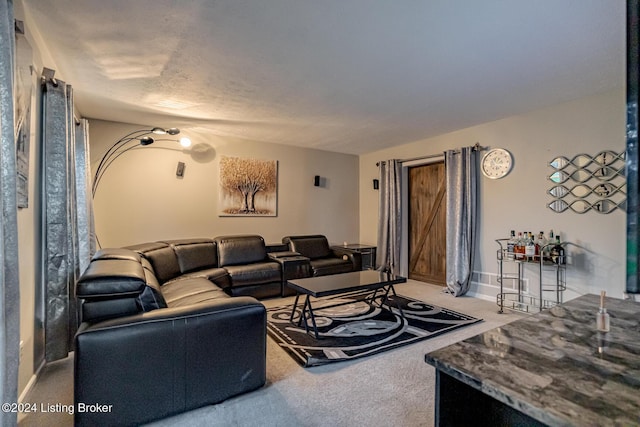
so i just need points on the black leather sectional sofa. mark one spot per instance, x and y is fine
(174, 325)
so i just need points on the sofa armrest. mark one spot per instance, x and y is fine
(282, 254)
(354, 257)
(156, 364)
(109, 278)
(116, 283)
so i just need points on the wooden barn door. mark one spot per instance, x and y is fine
(427, 223)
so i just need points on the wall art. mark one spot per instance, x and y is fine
(588, 183)
(248, 187)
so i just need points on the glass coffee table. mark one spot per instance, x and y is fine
(368, 285)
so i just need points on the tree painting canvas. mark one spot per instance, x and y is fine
(248, 187)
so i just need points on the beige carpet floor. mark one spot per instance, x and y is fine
(392, 388)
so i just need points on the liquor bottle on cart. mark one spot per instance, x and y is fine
(518, 248)
(540, 246)
(511, 245)
(557, 252)
(530, 247)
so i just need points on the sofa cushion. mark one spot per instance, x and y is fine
(254, 274)
(194, 254)
(188, 291)
(312, 247)
(211, 274)
(218, 276)
(162, 258)
(237, 250)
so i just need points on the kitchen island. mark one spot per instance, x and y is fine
(552, 368)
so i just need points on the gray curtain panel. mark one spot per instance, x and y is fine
(63, 162)
(389, 219)
(462, 183)
(9, 266)
(84, 202)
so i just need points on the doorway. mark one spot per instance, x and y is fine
(427, 223)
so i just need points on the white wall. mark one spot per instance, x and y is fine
(140, 199)
(519, 200)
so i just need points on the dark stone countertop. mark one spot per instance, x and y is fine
(555, 367)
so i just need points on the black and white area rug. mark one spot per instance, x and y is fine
(358, 329)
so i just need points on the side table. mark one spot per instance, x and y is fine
(367, 253)
(294, 266)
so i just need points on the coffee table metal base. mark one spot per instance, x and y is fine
(369, 296)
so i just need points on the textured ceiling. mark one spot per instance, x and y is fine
(350, 76)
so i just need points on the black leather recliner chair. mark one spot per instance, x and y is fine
(249, 268)
(323, 259)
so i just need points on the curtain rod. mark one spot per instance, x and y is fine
(475, 147)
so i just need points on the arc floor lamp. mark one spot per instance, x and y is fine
(135, 139)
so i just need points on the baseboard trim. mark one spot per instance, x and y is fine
(481, 296)
(30, 384)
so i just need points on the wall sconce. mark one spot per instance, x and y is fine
(180, 170)
(376, 184)
(141, 137)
